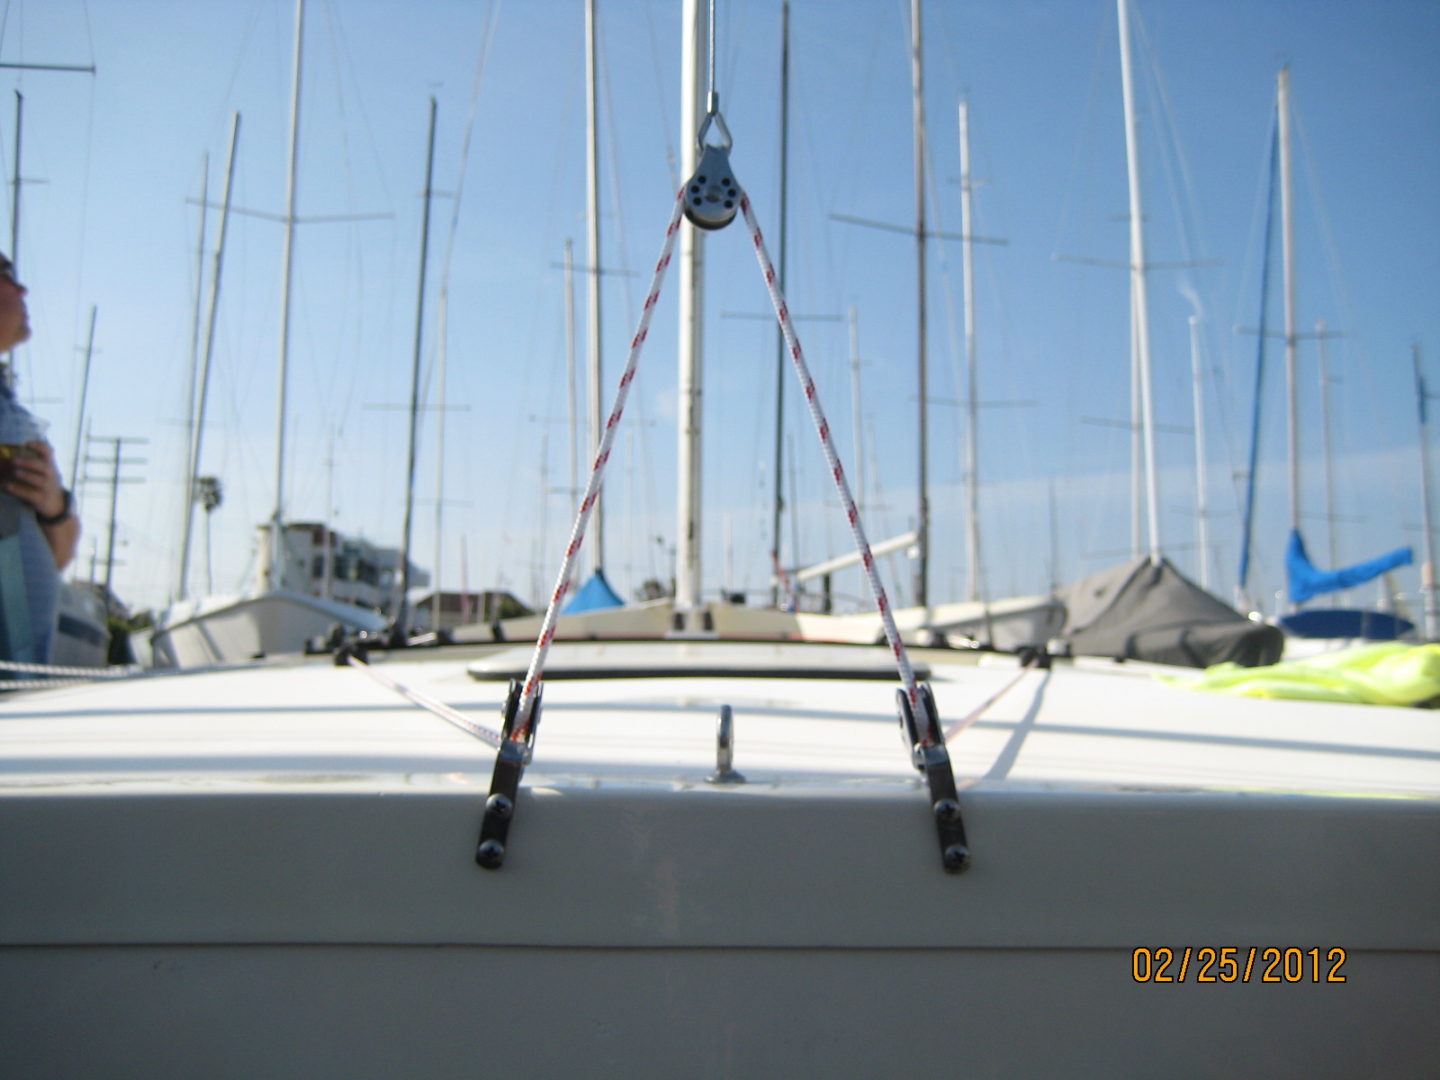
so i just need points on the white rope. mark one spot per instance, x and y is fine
(115, 672)
(837, 471)
(438, 708)
(520, 730)
(61, 676)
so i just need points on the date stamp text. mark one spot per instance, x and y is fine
(1237, 964)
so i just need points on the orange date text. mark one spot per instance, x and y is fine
(1237, 964)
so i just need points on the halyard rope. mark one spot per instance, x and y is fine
(438, 708)
(837, 471)
(953, 730)
(520, 730)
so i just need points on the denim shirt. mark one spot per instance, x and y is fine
(40, 579)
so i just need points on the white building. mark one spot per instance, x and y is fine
(323, 563)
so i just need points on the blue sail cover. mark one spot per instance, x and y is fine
(1307, 581)
(595, 595)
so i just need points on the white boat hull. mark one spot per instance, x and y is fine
(234, 629)
(287, 887)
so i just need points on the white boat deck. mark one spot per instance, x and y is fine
(1084, 724)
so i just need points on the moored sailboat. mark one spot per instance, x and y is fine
(1322, 627)
(728, 832)
(285, 609)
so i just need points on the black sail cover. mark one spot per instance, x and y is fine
(1144, 610)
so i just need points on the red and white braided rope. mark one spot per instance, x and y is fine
(520, 730)
(822, 428)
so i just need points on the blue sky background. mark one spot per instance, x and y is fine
(111, 167)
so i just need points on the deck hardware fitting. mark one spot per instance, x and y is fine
(725, 750)
(510, 762)
(927, 752)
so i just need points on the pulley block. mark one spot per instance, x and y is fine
(712, 197)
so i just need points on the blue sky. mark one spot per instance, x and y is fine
(112, 165)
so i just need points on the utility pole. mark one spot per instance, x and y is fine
(115, 461)
(8, 374)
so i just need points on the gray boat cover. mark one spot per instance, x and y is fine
(1150, 611)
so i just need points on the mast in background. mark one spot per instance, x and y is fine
(1139, 301)
(201, 392)
(1429, 603)
(780, 358)
(1202, 502)
(277, 520)
(972, 434)
(402, 606)
(1287, 248)
(922, 523)
(592, 215)
(696, 42)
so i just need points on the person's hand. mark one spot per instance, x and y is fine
(36, 481)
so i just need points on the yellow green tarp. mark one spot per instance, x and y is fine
(1385, 673)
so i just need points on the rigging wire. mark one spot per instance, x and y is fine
(487, 40)
(1353, 336)
(443, 302)
(662, 97)
(81, 316)
(1184, 201)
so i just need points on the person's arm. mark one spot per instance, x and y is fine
(36, 481)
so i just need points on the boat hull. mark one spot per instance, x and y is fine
(467, 1011)
(235, 629)
(668, 933)
(270, 871)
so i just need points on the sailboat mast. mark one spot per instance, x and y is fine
(855, 409)
(780, 359)
(1427, 572)
(972, 434)
(922, 524)
(277, 526)
(1321, 336)
(202, 389)
(696, 40)
(402, 607)
(571, 404)
(15, 192)
(592, 215)
(187, 493)
(1202, 499)
(76, 477)
(1139, 302)
(1287, 247)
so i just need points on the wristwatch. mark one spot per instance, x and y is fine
(63, 515)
